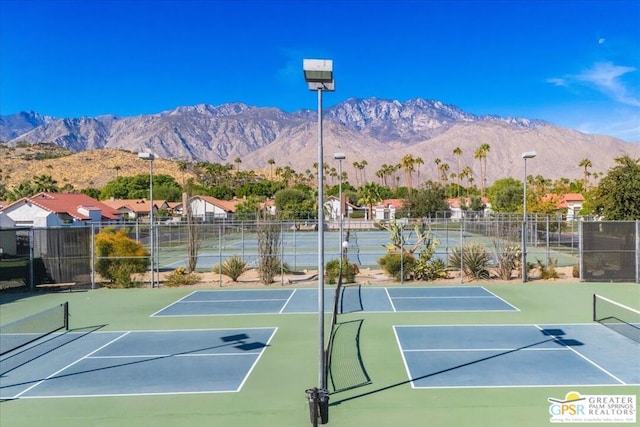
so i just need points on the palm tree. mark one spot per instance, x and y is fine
(359, 166)
(418, 161)
(586, 164)
(271, 162)
(45, 184)
(458, 152)
(468, 174)
(481, 154)
(408, 164)
(237, 161)
(370, 194)
(444, 169)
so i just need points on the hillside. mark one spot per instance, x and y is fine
(92, 168)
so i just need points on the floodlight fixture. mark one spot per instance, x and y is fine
(339, 156)
(319, 74)
(529, 154)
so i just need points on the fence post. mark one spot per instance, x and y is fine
(548, 224)
(32, 285)
(637, 251)
(580, 251)
(93, 256)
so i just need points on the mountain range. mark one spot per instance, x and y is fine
(377, 131)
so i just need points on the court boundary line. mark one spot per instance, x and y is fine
(565, 348)
(294, 291)
(173, 303)
(48, 377)
(588, 360)
(126, 333)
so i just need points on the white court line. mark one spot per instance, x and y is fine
(453, 297)
(583, 356)
(287, 303)
(418, 350)
(502, 299)
(233, 300)
(386, 290)
(257, 359)
(173, 303)
(71, 364)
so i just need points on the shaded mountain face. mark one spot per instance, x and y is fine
(378, 132)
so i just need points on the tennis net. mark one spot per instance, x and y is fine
(28, 329)
(618, 317)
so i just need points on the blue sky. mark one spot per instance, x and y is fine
(573, 63)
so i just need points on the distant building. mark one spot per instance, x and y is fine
(59, 210)
(132, 209)
(386, 210)
(570, 203)
(459, 206)
(209, 209)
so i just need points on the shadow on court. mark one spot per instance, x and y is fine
(50, 345)
(555, 336)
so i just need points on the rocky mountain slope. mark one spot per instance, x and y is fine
(373, 130)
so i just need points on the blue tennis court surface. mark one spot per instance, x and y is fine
(76, 364)
(351, 299)
(517, 356)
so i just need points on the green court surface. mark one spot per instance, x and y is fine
(274, 392)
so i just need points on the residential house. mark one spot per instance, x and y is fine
(332, 206)
(59, 209)
(210, 209)
(8, 241)
(386, 210)
(570, 204)
(458, 207)
(134, 209)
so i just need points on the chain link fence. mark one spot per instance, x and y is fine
(598, 251)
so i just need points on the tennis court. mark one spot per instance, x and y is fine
(351, 299)
(400, 355)
(128, 363)
(512, 355)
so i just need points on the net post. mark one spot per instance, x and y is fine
(66, 315)
(595, 318)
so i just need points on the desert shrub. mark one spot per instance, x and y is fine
(232, 267)
(548, 271)
(119, 257)
(180, 277)
(473, 260)
(268, 244)
(509, 259)
(575, 272)
(431, 269)
(401, 266)
(332, 271)
(122, 276)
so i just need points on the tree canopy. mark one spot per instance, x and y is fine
(618, 193)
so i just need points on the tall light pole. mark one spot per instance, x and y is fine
(340, 157)
(526, 155)
(150, 157)
(318, 73)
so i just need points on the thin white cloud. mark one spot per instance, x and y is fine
(604, 77)
(556, 81)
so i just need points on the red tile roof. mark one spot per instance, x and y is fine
(135, 205)
(225, 205)
(69, 203)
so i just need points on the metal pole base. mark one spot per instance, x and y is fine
(318, 405)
